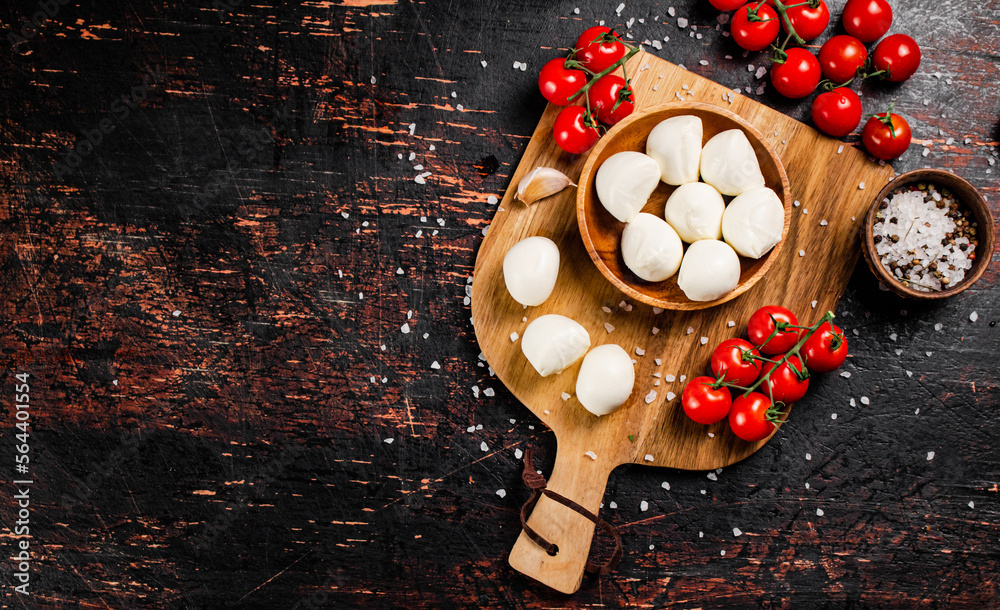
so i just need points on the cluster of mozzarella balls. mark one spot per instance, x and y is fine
(552, 343)
(695, 213)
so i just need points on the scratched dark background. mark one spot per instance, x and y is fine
(209, 299)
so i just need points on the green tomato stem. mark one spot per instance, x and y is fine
(621, 62)
(792, 352)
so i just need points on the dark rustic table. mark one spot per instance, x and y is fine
(237, 244)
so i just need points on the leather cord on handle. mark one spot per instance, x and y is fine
(537, 484)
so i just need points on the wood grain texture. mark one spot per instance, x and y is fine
(199, 256)
(651, 428)
(602, 232)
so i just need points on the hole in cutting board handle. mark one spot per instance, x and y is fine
(554, 551)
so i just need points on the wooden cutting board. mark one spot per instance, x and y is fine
(809, 278)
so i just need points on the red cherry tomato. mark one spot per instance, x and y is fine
(763, 322)
(787, 384)
(808, 22)
(748, 417)
(726, 5)
(838, 112)
(826, 349)
(705, 404)
(557, 82)
(611, 90)
(898, 56)
(886, 138)
(733, 360)
(798, 76)
(755, 35)
(841, 56)
(575, 130)
(867, 20)
(599, 47)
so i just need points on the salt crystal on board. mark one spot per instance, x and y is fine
(502, 492)
(484, 447)
(973, 316)
(648, 458)
(405, 328)
(737, 532)
(608, 327)
(819, 512)
(665, 485)
(489, 391)
(650, 397)
(671, 396)
(565, 396)
(388, 441)
(644, 506)
(592, 456)
(712, 476)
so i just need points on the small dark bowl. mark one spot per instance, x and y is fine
(968, 196)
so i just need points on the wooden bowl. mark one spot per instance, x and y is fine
(964, 192)
(602, 232)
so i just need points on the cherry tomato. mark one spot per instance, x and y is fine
(826, 349)
(748, 417)
(787, 384)
(898, 56)
(755, 35)
(886, 135)
(599, 47)
(808, 22)
(726, 5)
(606, 93)
(557, 82)
(867, 20)
(575, 130)
(763, 322)
(838, 112)
(704, 403)
(798, 76)
(732, 359)
(841, 56)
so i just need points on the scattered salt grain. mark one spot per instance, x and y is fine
(682, 22)
(853, 403)
(814, 304)
(840, 149)
(648, 458)
(909, 373)
(845, 374)
(665, 485)
(930, 455)
(484, 447)
(483, 62)
(671, 396)
(655, 330)
(861, 186)
(737, 532)
(865, 401)
(823, 223)
(405, 328)
(621, 7)
(704, 340)
(833, 416)
(502, 493)
(608, 327)
(513, 336)
(730, 323)
(819, 512)
(651, 396)
(670, 378)
(644, 506)
(690, 329)
(809, 456)
(712, 476)
(435, 365)
(893, 336)
(973, 316)
(593, 456)
(640, 352)
(387, 441)
(413, 128)
(492, 200)
(802, 253)
(972, 504)
(565, 396)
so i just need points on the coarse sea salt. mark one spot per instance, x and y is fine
(916, 248)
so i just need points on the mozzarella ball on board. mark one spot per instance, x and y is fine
(753, 222)
(553, 342)
(710, 269)
(729, 163)
(530, 269)
(624, 183)
(651, 248)
(606, 379)
(675, 145)
(695, 211)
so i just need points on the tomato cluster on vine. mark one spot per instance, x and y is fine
(797, 72)
(753, 379)
(588, 75)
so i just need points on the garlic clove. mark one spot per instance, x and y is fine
(540, 183)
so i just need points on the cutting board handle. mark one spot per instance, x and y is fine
(583, 480)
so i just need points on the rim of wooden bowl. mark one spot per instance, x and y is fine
(964, 192)
(637, 288)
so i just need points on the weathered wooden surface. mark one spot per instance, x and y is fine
(212, 399)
